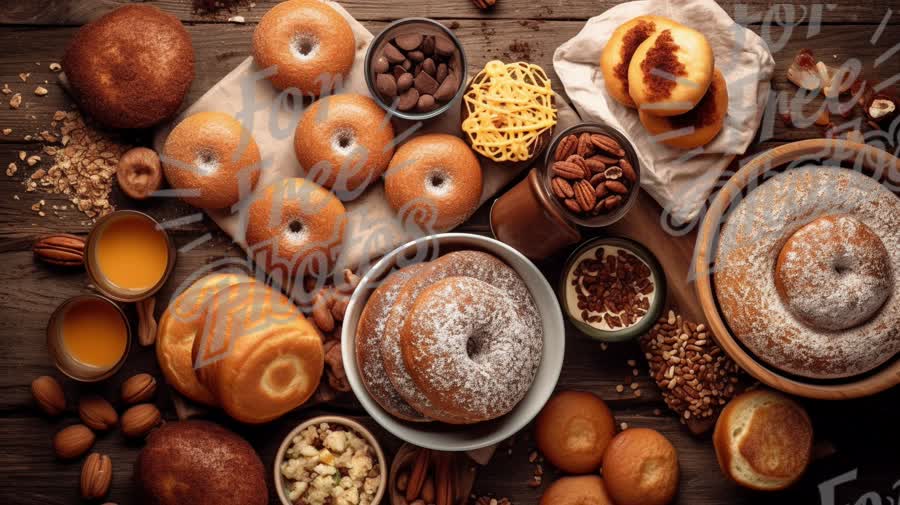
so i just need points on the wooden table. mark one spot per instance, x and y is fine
(859, 436)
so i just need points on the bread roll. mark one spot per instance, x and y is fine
(763, 440)
(573, 430)
(641, 468)
(584, 490)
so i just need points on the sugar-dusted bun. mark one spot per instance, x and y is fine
(617, 53)
(344, 142)
(257, 354)
(763, 440)
(670, 71)
(701, 124)
(573, 430)
(296, 227)
(311, 44)
(130, 68)
(641, 468)
(434, 182)
(584, 490)
(179, 324)
(213, 156)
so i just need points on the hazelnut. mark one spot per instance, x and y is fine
(97, 413)
(48, 395)
(881, 109)
(139, 172)
(73, 441)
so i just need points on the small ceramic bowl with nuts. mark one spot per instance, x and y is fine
(330, 459)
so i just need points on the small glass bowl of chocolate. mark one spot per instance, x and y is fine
(416, 69)
(612, 289)
(593, 174)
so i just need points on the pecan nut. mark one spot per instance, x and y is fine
(585, 145)
(611, 202)
(616, 187)
(61, 250)
(584, 195)
(607, 143)
(417, 474)
(595, 164)
(628, 170)
(96, 475)
(572, 205)
(562, 188)
(484, 4)
(578, 160)
(566, 147)
(568, 170)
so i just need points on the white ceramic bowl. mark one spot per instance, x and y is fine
(440, 436)
(281, 482)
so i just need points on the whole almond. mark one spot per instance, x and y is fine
(96, 475)
(73, 441)
(61, 250)
(48, 395)
(138, 388)
(140, 419)
(97, 413)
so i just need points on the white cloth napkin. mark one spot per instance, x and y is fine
(679, 180)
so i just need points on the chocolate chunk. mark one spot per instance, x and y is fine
(406, 65)
(429, 66)
(426, 84)
(404, 82)
(398, 71)
(415, 56)
(386, 86)
(443, 46)
(441, 72)
(392, 54)
(447, 89)
(428, 45)
(408, 100)
(426, 103)
(381, 65)
(409, 41)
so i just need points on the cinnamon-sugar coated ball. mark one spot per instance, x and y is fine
(573, 430)
(640, 467)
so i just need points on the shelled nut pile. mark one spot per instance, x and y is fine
(591, 174)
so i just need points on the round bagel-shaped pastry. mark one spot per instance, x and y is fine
(670, 71)
(344, 142)
(297, 225)
(369, 334)
(210, 155)
(311, 44)
(257, 354)
(699, 125)
(179, 324)
(619, 49)
(434, 182)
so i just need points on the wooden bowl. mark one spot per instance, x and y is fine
(463, 471)
(874, 162)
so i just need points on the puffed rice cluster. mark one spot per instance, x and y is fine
(330, 466)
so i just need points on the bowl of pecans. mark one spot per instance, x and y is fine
(613, 289)
(593, 173)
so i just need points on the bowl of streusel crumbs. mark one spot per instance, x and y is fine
(330, 460)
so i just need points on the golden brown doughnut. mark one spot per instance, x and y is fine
(311, 43)
(297, 227)
(434, 181)
(670, 71)
(130, 68)
(640, 467)
(573, 430)
(617, 53)
(344, 142)
(584, 490)
(701, 124)
(212, 155)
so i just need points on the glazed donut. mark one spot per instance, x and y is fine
(462, 345)
(434, 181)
(670, 71)
(178, 326)
(697, 126)
(834, 273)
(369, 334)
(211, 155)
(485, 268)
(617, 53)
(344, 142)
(817, 220)
(296, 224)
(311, 44)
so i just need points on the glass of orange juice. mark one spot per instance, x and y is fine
(88, 337)
(128, 255)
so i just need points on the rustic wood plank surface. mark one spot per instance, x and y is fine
(860, 435)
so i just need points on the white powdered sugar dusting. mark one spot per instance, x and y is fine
(823, 269)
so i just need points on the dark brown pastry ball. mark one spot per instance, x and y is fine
(130, 68)
(199, 463)
(573, 430)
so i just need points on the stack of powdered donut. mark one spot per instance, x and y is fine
(667, 71)
(457, 340)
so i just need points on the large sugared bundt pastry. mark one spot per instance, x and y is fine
(344, 143)
(130, 68)
(295, 227)
(806, 272)
(310, 44)
(212, 160)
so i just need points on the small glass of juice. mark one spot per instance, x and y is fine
(128, 255)
(88, 337)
